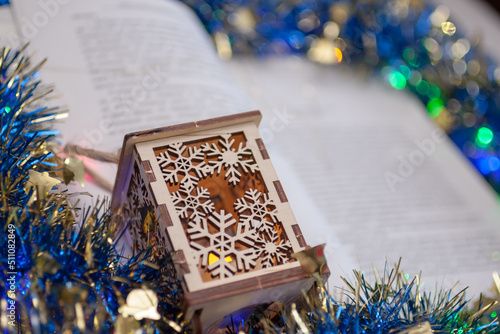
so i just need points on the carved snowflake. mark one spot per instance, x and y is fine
(257, 210)
(138, 192)
(194, 203)
(230, 158)
(192, 167)
(272, 251)
(138, 210)
(226, 250)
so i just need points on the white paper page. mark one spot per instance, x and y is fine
(7, 27)
(346, 135)
(126, 65)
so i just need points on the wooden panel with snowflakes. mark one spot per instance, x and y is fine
(145, 231)
(216, 198)
(223, 203)
(217, 194)
(140, 215)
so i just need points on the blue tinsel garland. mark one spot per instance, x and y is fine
(55, 261)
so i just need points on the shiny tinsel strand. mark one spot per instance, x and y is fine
(390, 305)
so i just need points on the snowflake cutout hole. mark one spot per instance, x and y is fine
(223, 246)
(175, 161)
(257, 210)
(273, 250)
(193, 204)
(230, 159)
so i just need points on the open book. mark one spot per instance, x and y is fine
(365, 170)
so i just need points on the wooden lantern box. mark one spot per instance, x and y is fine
(207, 192)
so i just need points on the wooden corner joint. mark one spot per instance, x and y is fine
(165, 215)
(262, 148)
(298, 234)
(181, 261)
(280, 191)
(146, 165)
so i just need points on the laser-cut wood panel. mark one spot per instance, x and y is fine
(208, 191)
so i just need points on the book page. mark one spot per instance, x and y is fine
(125, 65)
(380, 180)
(7, 27)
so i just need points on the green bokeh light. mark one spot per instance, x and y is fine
(434, 92)
(423, 87)
(407, 276)
(405, 70)
(484, 136)
(7, 109)
(415, 78)
(494, 314)
(397, 80)
(219, 15)
(408, 54)
(434, 107)
(411, 57)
